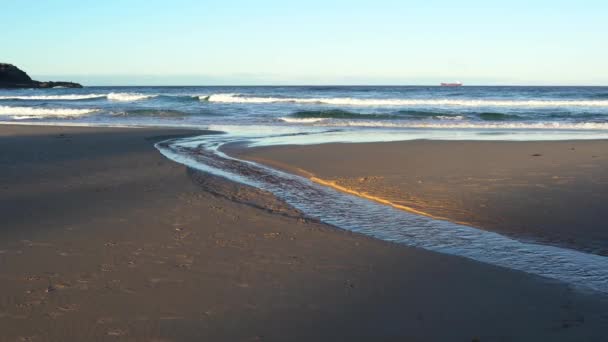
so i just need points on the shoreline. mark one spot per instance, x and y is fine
(238, 151)
(114, 241)
(534, 191)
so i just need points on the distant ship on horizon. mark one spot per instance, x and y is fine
(453, 84)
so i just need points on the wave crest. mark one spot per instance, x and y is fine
(22, 113)
(548, 125)
(127, 97)
(301, 120)
(66, 97)
(75, 97)
(349, 101)
(343, 114)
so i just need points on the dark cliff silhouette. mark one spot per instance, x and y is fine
(13, 77)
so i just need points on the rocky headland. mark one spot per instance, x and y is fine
(13, 77)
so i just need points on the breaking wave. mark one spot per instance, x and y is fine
(127, 97)
(123, 97)
(363, 117)
(470, 124)
(22, 113)
(349, 101)
(69, 97)
(301, 120)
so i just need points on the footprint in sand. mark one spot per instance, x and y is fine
(106, 267)
(82, 286)
(116, 332)
(84, 279)
(56, 286)
(104, 320)
(18, 316)
(62, 285)
(68, 307)
(181, 235)
(271, 235)
(32, 302)
(55, 314)
(154, 282)
(32, 298)
(29, 243)
(184, 261)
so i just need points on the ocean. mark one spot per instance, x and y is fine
(404, 112)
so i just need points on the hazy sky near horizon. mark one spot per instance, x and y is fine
(308, 42)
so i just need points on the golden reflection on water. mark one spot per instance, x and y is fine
(377, 199)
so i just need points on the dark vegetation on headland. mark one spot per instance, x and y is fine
(12, 77)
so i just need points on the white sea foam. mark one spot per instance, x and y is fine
(456, 124)
(27, 117)
(302, 120)
(341, 122)
(22, 113)
(451, 118)
(67, 97)
(127, 97)
(349, 101)
(259, 135)
(263, 130)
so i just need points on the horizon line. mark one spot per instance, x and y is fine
(343, 85)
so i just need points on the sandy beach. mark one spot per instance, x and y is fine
(104, 239)
(548, 192)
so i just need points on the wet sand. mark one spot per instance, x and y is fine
(102, 238)
(548, 192)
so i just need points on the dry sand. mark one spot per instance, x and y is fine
(103, 239)
(549, 192)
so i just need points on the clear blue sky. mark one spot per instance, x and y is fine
(308, 42)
